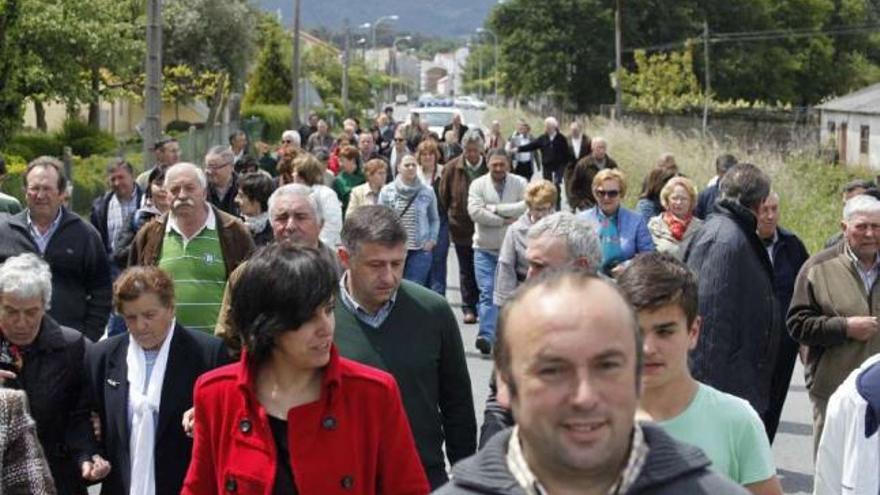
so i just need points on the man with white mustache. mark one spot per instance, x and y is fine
(196, 243)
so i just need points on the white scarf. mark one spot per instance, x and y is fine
(143, 408)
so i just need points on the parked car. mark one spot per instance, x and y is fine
(470, 102)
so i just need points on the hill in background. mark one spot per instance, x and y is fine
(442, 18)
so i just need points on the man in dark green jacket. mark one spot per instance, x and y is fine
(408, 331)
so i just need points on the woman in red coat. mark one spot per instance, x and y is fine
(292, 417)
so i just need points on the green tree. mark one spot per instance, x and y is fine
(10, 97)
(270, 81)
(662, 82)
(321, 66)
(79, 52)
(211, 35)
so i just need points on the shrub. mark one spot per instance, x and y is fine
(275, 117)
(29, 145)
(85, 140)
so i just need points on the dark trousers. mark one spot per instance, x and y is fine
(524, 170)
(554, 175)
(470, 294)
(437, 477)
(788, 351)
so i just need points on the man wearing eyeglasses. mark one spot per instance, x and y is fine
(222, 179)
(834, 305)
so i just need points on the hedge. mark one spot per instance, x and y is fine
(275, 117)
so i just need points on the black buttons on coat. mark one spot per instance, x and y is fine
(231, 485)
(245, 425)
(329, 423)
(347, 482)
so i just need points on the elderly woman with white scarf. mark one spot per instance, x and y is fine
(143, 383)
(416, 205)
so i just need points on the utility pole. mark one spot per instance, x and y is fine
(153, 87)
(345, 62)
(618, 48)
(480, 59)
(707, 90)
(294, 102)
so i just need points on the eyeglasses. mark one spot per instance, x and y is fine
(214, 168)
(613, 193)
(398, 140)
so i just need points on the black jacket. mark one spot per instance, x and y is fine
(81, 287)
(554, 154)
(742, 320)
(191, 354)
(53, 376)
(98, 215)
(670, 468)
(462, 129)
(706, 201)
(226, 203)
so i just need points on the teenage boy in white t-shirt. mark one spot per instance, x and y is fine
(664, 293)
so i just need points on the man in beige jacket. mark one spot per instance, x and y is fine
(495, 201)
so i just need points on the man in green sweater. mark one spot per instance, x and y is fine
(408, 331)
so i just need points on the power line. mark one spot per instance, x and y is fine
(773, 34)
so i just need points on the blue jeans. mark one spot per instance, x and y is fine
(485, 263)
(418, 266)
(437, 278)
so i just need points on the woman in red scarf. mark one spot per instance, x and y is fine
(677, 223)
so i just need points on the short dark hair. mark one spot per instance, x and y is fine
(162, 141)
(724, 163)
(115, 163)
(139, 280)
(2, 166)
(500, 152)
(372, 224)
(858, 184)
(47, 162)
(279, 290)
(235, 134)
(746, 184)
(552, 280)
(257, 186)
(653, 280)
(157, 176)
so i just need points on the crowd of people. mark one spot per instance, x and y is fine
(274, 320)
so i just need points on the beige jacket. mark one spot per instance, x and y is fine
(492, 214)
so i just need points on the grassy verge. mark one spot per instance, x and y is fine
(809, 189)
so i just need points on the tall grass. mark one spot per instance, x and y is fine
(809, 189)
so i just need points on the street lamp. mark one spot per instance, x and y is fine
(375, 25)
(396, 70)
(363, 43)
(495, 40)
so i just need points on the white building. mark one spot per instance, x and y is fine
(851, 124)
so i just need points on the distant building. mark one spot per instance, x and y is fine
(443, 75)
(851, 124)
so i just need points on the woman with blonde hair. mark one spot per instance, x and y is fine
(375, 171)
(677, 223)
(623, 233)
(513, 266)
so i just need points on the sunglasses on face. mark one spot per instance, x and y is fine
(610, 194)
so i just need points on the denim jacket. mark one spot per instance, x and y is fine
(425, 207)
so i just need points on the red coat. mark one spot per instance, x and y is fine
(354, 439)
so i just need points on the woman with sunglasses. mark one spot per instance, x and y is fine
(292, 416)
(622, 232)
